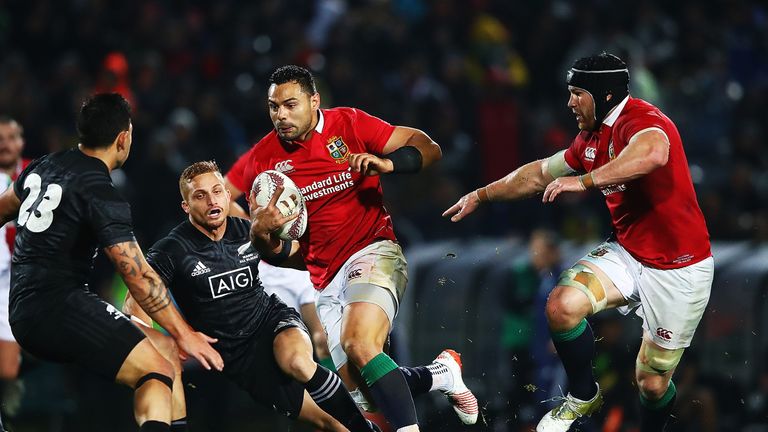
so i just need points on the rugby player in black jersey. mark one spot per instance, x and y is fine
(67, 208)
(211, 268)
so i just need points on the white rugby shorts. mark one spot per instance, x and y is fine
(5, 290)
(292, 286)
(382, 268)
(670, 302)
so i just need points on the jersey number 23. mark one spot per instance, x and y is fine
(38, 219)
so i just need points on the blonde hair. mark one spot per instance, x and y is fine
(194, 170)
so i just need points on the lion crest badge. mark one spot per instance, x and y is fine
(337, 149)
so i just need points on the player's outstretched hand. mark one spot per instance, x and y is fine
(265, 220)
(370, 165)
(466, 205)
(560, 185)
(198, 345)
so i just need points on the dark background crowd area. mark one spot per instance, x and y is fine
(484, 78)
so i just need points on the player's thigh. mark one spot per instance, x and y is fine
(165, 345)
(255, 370)
(252, 364)
(293, 352)
(80, 328)
(613, 296)
(381, 264)
(611, 277)
(9, 359)
(673, 302)
(144, 359)
(365, 322)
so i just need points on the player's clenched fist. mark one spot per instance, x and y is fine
(369, 164)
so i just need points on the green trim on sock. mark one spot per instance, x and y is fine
(379, 366)
(661, 403)
(328, 364)
(570, 334)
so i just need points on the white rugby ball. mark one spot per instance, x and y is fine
(291, 201)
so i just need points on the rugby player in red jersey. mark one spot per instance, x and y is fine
(335, 157)
(658, 259)
(11, 164)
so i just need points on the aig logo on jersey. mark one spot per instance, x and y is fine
(338, 149)
(226, 283)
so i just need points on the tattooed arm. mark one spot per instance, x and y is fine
(151, 294)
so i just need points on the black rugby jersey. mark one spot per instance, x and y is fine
(215, 283)
(69, 208)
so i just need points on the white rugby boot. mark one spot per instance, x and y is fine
(460, 397)
(560, 418)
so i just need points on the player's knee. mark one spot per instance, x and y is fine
(566, 307)
(359, 351)
(299, 366)
(652, 387)
(156, 365)
(161, 378)
(319, 339)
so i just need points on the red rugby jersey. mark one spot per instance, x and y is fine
(656, 217)
(10, 228)
(345, 209)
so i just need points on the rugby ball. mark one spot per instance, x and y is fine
(290, 202)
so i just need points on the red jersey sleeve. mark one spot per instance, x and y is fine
(571, 157)
(630, 125)
(236, 174)
(372, 131)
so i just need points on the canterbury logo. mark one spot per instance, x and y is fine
(285, 166)
(354, 274)
(200, 268)
(664, 333)
(589, 153)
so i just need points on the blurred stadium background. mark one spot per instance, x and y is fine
(485, 78)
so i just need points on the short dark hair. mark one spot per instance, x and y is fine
(101, 119)
(293, 73)
(194, 170)
(6, 120)
(602, 61)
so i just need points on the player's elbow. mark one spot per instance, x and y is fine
(657, 157)
(438, 152)
(430, 151)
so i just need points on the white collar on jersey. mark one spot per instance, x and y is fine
(320, 121)
(610, 119)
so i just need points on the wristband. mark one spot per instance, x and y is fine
(587, 181)
(406, 159)
(482, 194)
(278, 258)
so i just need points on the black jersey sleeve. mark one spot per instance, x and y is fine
(163, 264)
(109, 212)
(18, 185)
